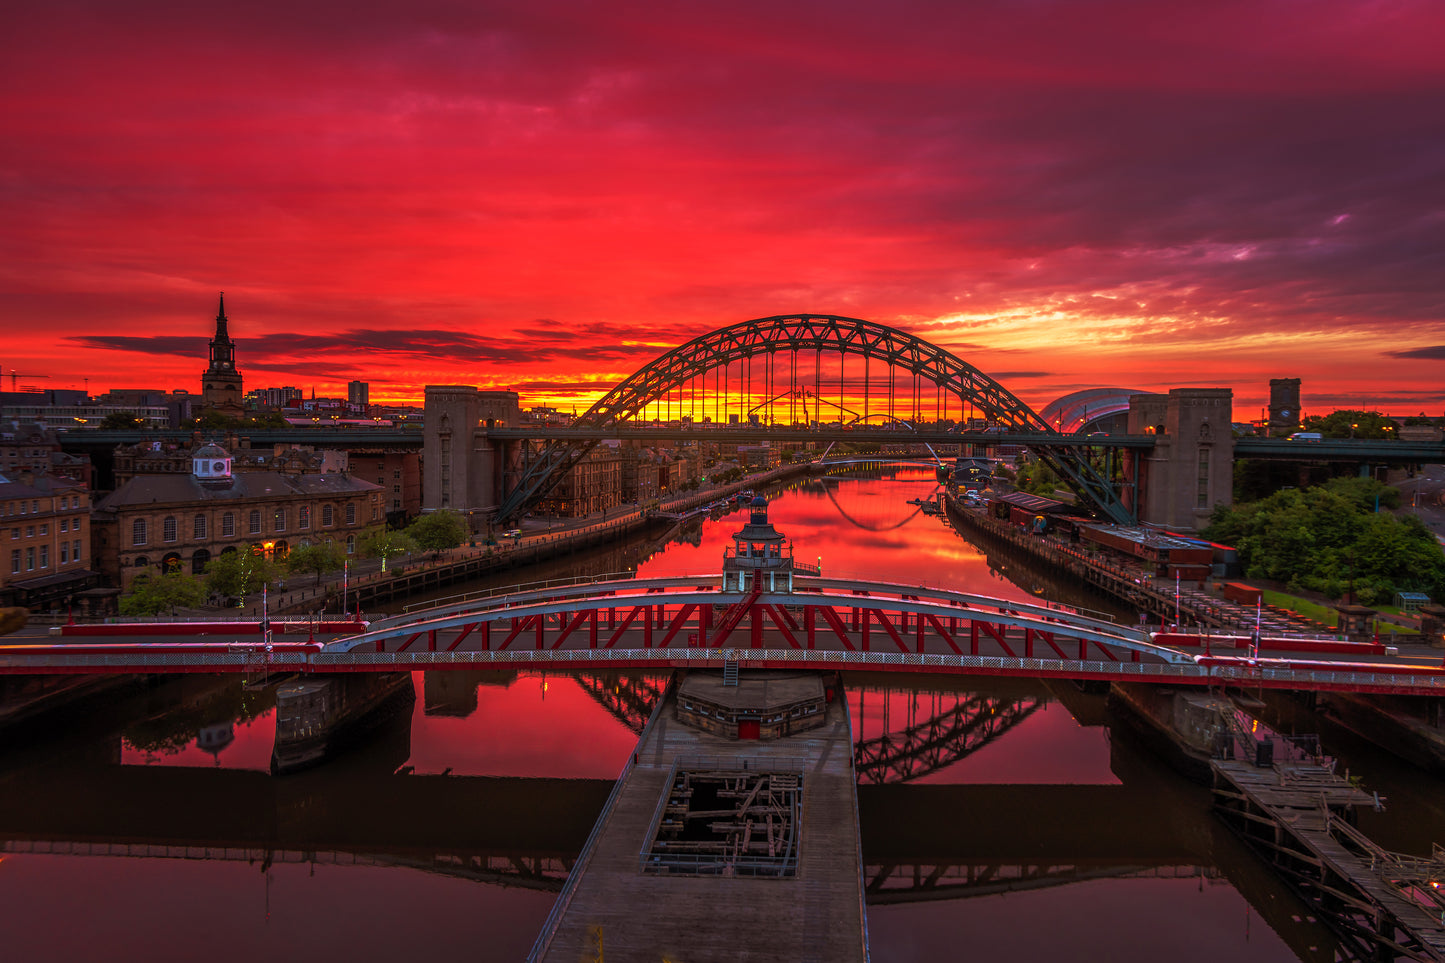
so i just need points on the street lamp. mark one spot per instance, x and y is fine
(1352, 429)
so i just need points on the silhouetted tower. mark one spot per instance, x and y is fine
(221, 382)
(1283, 406)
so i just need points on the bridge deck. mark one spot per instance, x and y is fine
(816, 914)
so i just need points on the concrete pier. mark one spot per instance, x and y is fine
(812, 910)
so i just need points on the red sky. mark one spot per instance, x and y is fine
(546, 195)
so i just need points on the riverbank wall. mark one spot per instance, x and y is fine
(1097, 572)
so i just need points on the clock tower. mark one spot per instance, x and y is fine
(221, 382)
(1284, 418)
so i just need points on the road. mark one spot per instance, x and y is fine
(1424, 496)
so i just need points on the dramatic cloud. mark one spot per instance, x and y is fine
(552, 193)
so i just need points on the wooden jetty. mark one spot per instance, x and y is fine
(1298, 816)
(616, 905)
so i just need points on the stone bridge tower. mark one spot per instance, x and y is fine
(464, 469)
(1191, 469)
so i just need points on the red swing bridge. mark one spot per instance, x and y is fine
(763, 611)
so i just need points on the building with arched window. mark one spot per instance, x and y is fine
(139, 526)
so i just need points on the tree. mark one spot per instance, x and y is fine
(1330, 539)
(318, 558)
(438, 530)
(239, 574)
(1352, 423)
(121, 421)
(379, 542)
(152, 594)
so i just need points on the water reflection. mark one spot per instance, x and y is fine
(1013, 812)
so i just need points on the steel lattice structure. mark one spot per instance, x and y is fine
(941, 741)
(810, 332)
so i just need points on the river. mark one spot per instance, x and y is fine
(999, 819)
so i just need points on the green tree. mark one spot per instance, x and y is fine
(239, 574)
(152, 594)
(382, 543)
(438, 530)
(121, 421)
(317, 558)
(1330, 539)
(1353, 423)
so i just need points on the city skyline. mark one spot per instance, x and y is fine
(546, 197)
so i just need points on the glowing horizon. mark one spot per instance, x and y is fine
(546, 197)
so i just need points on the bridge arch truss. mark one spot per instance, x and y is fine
(681, 369)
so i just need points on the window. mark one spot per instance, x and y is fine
(75, 550)
(64, 552)
(199, 561)
(198, 527)
(29, 531)
(351, 513)
(168, 529)
(14, 533)
(255, 521)
(351, 545)
(15, 561)
(303, 517)
(30, 560)
(45, 556)
(45, 529)
(280, 520)
(35, 507)
(228, 525)
(138, 532)
(396, 489)
(327, 516)
(142, 561)
(396, 473)
(65, 524)
(1201, 496)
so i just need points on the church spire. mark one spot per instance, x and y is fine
(221, 320)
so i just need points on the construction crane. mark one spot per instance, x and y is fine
(16, 375)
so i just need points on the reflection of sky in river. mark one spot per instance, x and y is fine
(549, 726)
(528, 725)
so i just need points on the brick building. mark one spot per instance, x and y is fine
(179, 522)
(593, 485)
(398, 472)
(44, 541)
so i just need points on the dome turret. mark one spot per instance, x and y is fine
(211, 462)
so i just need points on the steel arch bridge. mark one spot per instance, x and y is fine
(818, 333)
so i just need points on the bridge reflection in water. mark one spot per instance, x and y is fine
(922, 841)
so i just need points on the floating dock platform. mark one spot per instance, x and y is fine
(712, 848)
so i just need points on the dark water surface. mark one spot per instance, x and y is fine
(1000, 819)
